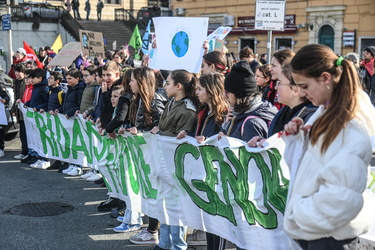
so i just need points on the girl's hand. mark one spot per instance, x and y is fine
(101, 131)
(121, 130)
(293, 126)
(84, 115)
(254, 141)
(112, 135)
(155, 130)
(56, 111)
(41, 110)
(76, 113)
(220, 135)
(200, 138)
(181, 135)
(133, 130)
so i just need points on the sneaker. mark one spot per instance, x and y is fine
(32, 160)
(120, 218)
(63, 167)
(26, 158)
(43, 165)
(87, 174)
(55, 165)
(116, 212)
(144, 237)
(107, 205)
(19, 157)
(124, 228)
(67, 170)
(94, 177)
(197, 238)
(1, 153)
(33, 165)
(75, 171)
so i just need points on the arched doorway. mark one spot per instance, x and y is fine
(327, 36)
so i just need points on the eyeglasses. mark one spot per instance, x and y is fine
(278, 83)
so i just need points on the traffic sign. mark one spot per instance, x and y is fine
(269, 15)
(5, 22)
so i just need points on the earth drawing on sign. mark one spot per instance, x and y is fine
(180, 43)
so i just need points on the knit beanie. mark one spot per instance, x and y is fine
(371, 49)
(22, 51)
(240, 80)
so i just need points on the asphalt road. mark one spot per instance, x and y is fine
(81, 228)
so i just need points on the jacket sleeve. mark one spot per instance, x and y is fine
(254, 127)
(186, 122)
(158, 109)
(44, 95)
(120, 116)
(339, 198)
(70, 112)
(4, 95)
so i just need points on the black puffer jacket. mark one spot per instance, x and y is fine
(72, 100)
(158, 106)
(121, 114)
(39, 96)
(106, 109)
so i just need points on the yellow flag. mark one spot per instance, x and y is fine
(57, 44)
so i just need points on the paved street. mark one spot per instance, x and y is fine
(81, 228)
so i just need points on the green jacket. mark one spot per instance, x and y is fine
(177, 116)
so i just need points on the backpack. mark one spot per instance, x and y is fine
(59, 96)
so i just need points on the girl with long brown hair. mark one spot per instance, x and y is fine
(326, 206)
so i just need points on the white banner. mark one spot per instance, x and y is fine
(221, 186)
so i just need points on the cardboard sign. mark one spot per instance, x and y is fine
(66, 55)
(92, 43)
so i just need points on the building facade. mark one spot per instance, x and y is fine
(345, 26)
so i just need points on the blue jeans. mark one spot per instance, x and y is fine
(172, 237)
(132, 218)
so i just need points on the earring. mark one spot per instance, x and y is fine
(327, 87)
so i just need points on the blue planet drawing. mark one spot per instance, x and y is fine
(180, 44)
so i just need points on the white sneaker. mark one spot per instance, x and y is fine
(35, 164)
(75, 171)
(1, 153)
(94, 177)
(65, 171)
(43, 165)
(88, 174)
(19, 157)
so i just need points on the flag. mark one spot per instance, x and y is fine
(57, 44)
(146, 39)
(30, 53)
(136, 41)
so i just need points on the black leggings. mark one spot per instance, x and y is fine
(153, 225)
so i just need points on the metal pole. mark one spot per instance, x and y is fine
(10, 49)
(269, 46)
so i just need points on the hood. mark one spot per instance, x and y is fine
(264, 110)
(44, 82)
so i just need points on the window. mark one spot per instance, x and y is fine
(365, 42)
(282, 43)
(247, 42)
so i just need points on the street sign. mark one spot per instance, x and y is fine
(5, 22)
(269, 15)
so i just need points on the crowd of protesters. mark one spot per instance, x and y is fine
(311, 97)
